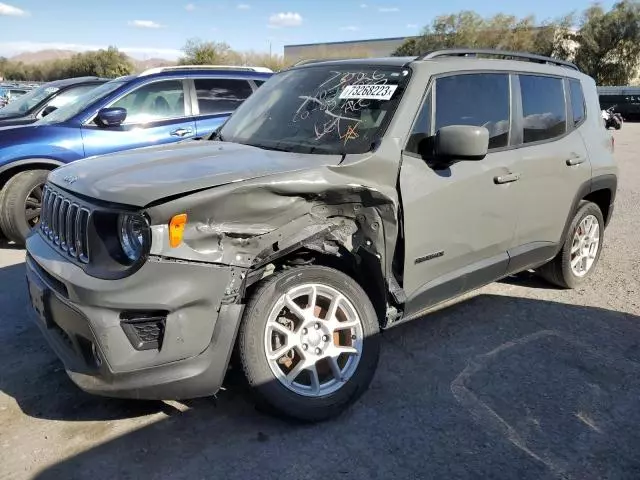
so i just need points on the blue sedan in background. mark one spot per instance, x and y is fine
(159, 106)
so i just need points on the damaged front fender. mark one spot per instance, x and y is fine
(250, 224)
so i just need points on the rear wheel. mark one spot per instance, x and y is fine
(309, 343)
(581, 250)
(21, 203)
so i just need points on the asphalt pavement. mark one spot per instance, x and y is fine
(517, 380)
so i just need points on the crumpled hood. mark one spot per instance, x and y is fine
(140, 177)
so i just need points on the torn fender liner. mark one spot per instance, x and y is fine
(247, 223)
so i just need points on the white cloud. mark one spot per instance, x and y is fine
(8, 49)
(350, 28)
(11, 11)
(289, 19)
(144, 24)
(189, 7)
(388, 9)
(363, 5)
(412, 25)
(243, 6)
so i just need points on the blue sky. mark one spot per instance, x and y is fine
(159, 28)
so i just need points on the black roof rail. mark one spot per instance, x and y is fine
(308, 60)
(472, 52)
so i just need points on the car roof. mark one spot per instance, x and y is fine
(197, 71)
(73, 81)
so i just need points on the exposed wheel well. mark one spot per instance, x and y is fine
(10, 172)
(602, 198)
(363, 268)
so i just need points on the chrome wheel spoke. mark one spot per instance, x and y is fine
(576, 261)
(286, 334)
(313, 298)
(294, 307)
(296, 371)
(335, 368)
(315, 380)
(349, 350)
(333, 309)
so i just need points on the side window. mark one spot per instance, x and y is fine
(577, 101)
(154, 101)
(258, 82)
(481, 99)
(421, 130)
(543, 108)
(221, 95)
(70, 95)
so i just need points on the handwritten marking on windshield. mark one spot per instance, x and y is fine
(351, 134)
(327, 100)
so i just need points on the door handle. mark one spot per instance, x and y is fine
(181, 132)
(575, 159)
(509, 178)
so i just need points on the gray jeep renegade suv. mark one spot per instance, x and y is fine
(343, 198)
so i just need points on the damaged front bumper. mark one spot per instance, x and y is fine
(165, 332)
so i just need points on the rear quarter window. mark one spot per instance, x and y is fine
(577, 102)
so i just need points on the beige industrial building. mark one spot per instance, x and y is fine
(379, 47)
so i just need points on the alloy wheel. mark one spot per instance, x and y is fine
(313, 340)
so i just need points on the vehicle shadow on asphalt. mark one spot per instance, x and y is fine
(496, 386)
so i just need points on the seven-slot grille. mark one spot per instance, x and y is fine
(65, 224)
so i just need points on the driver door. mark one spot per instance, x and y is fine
(157, 113)
(459, 220)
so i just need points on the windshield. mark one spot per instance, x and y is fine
(319, 109)
(26, 102)
(70, 110)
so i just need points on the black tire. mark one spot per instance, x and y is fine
(617, 124)
(558, 271)
(13, 203)
(3, 237)
(268, 391)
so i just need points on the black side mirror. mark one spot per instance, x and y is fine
(48, 110)
(111, 117)
(461, 142)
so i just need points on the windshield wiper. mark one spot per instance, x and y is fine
(216, 136)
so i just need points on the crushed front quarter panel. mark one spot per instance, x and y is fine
(251, 223)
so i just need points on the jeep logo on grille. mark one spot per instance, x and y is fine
(70, 179)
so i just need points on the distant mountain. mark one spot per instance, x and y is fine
(151, 63)
(31, 58)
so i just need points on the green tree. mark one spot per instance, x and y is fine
(108, 63)
(467, 29)
(608, 43)
(199, 52)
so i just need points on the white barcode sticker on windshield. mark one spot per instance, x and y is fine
(368, 92)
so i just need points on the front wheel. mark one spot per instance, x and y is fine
(580, 251)
(309, 343)
(21, 203)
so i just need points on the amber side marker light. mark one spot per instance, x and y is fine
(176, 229)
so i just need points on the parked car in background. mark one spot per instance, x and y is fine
(342, 199)
(11, 94)
(158, 106)
(626, 100)
(41, 101)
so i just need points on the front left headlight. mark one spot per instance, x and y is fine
(133, 232)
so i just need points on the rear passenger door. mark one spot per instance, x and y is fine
(553, 162)
(214, 99)
(157, 113)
